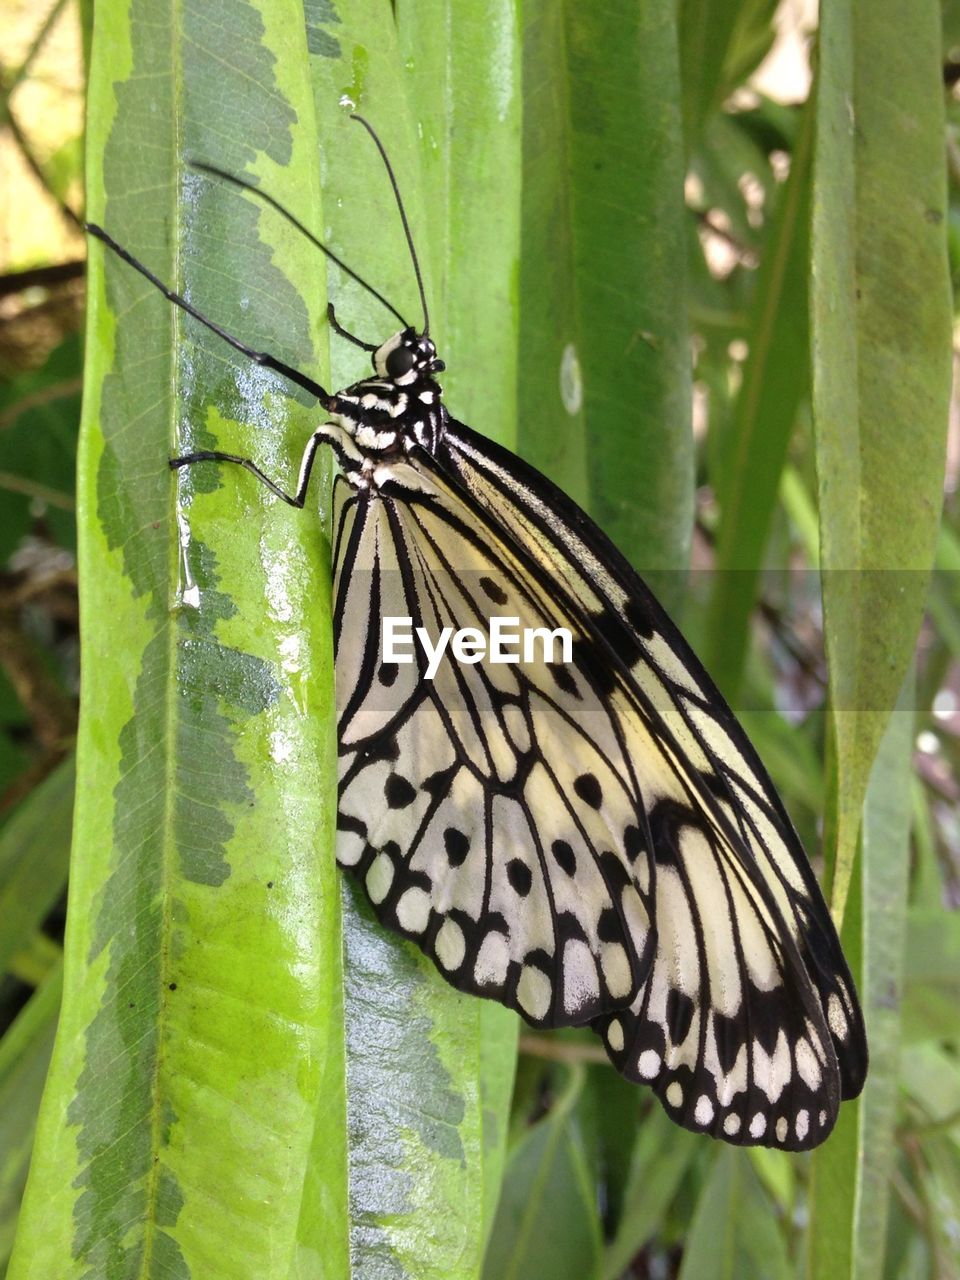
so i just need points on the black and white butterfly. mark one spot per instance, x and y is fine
(592, 842)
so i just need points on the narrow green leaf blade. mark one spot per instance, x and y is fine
(662, 1155)
(775, 378)
(428, 1071)
(24, 1058)
(835, 1167)
(201, 953)
(604, 391)
(551, 428)
(34, 855)
(462, 64)
(547, 1224)
(734, 1234)
(881, 339)
(851, 1182)
(886, 867)
(629, 252)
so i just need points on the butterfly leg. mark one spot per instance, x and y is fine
(296, 499)
(338, 328)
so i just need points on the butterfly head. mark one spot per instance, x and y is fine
(406, 358)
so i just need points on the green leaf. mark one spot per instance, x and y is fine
(661, 1158)
(886, 866)
(34, 853)
(835, 1166)
(931, 998)
(603, 278)
(202, 965)
(881, 333)
(734, 1234)
(931, 1078)
(941, 1191)
(951, 28)
(775, 378)
(462, 64)
(429, 1071)
(721, 43)
(551, 429)
(752, 40)
(547, 1224)
(24, 1057)
(629, 227)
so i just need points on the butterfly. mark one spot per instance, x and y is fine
(588, 838)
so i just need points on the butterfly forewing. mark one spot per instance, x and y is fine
(475, 841)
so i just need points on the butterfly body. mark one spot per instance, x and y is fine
(382, 418)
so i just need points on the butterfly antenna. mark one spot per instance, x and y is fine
(403, 218)
(261, 357)
(295, 222)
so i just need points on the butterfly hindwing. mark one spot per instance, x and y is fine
(669, 677)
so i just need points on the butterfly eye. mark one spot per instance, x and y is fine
(400, 361)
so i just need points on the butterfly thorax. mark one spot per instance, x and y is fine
(383, 418)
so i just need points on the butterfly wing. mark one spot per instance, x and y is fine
(590, 841)
(459, 804)
(630, 625)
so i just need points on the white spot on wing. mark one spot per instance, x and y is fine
(413, 910)
(782, 1129)
(450, 945)
(808, 1068)
(492, 961)
(581, 984)
(802, 1125)
(674, 1094)
(771, 1072)
(727, 1083)
(533, 992)
(758, 1125)
(648, 1064)
(615, 1035)
(731, 1125)
(379, 878)
(703, 1112)
(616, 969)
(836, 1017)
(350, 847)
